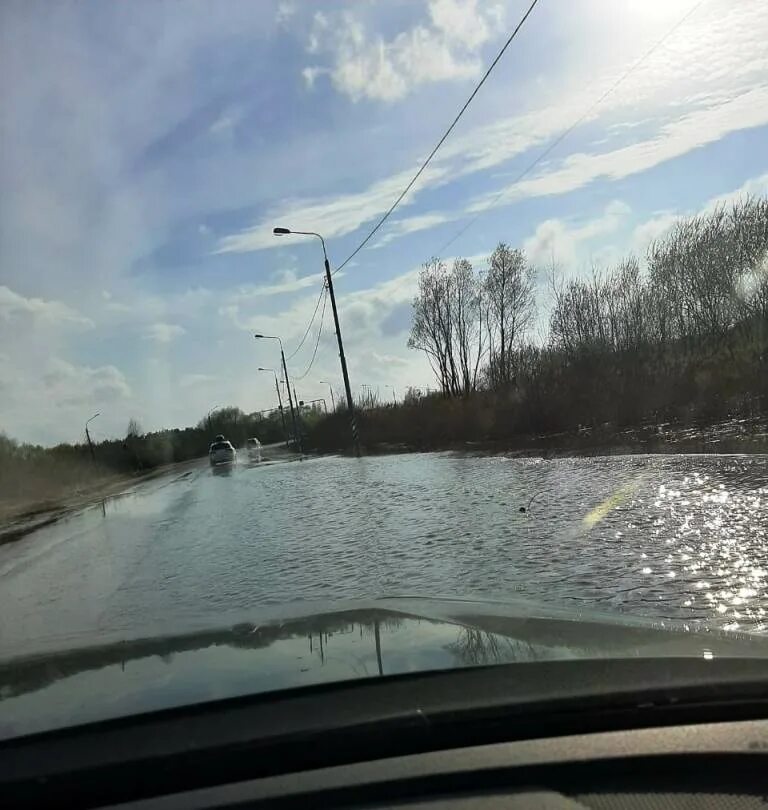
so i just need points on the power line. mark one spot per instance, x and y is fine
(560, 138)
(440, 142)
(309, 325)
(317, 342)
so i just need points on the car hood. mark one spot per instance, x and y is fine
(328, 643)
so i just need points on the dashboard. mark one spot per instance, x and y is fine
(642, 733)
(722, 765)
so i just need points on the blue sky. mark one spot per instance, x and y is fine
(148, 148)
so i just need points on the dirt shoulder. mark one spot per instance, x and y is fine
(18, 519)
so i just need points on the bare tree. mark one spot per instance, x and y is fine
(448, 324)
(466, 303)
(430, 330)
(133, 431)
(509, 289)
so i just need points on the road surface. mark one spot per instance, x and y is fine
(674, 536)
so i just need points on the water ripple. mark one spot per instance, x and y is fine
(671, 537)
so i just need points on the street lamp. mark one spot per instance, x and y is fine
(296, 434)
(279, 401)
(329, 282)
(330, 388)
(208, 417)
(88, 436)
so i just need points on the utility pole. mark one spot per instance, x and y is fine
(347, 388)
(210, 421)
(282, 413)
(345, 373)
(330, 388)
(296, 434)
(88, 436)
(279, 402)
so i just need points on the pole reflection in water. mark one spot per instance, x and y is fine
(377, 635)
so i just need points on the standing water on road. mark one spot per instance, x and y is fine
(660, 536)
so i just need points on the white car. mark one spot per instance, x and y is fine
(221, 452)
(253, 445)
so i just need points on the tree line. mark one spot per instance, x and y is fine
(32, 474)
(679, 336)
(686, 328)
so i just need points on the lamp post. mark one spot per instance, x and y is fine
(208, 417)
(345, 374)
(330, 388)
(88, 436)
(296, 435)
(279, 402)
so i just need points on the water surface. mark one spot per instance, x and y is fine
(660, 536)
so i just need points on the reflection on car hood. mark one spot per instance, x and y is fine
(323, 644)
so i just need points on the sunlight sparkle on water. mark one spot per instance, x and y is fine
(711, 541)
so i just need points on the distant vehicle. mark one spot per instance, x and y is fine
(253, 445)
(221, 452)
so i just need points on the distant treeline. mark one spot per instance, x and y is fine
(680, 338)
(30, 473)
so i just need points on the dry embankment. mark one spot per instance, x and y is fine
(35, 507)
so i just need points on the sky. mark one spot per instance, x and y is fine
(147, 149)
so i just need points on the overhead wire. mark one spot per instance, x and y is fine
(563, 135)
(309, 325)
(317, 342)
(442, 139)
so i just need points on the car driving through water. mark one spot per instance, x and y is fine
(253, 448)
(221, 452)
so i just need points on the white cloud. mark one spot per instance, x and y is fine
(557, 240)
(310, 74)
(113, 306)
(466, 22)
(39, 310)
(287, 282)
(724, 53)
(68, 384)
(690, 131)
(163, 332)
(331, 216)
(420, 222)
(646, 232)
(226, 122)
(661, 222)
(755, 186)
(49, 401)
(614, 215)
(192, 380)
(444, 49)
(285, 11)
(669, 116)
(363, 312)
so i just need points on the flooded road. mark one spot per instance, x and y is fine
(661, 536)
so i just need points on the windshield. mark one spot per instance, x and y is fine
(488, 281)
